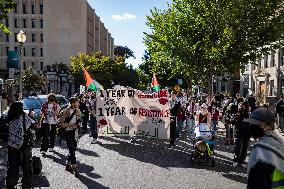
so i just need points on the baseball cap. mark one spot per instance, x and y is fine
(260, 116)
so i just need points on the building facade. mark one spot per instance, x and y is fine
(56, 30)
(265, 76)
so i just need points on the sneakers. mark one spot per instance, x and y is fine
(94, 141)
(76, 170)
(69, 168)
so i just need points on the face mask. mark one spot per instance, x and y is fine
(256, 131)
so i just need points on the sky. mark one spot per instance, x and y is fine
(126, 21)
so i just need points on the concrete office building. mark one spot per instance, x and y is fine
(56, 30)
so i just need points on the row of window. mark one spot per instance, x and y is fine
(25, 53)
(33, 65)
(25, 23)
(264, 63)
(32, 10)
(31, 38)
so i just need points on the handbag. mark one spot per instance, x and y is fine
(60, 130)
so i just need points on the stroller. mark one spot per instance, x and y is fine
(203, 146)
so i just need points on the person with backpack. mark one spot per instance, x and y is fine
(70, 121)
(20, 144)
(266, 162)
(49, 111)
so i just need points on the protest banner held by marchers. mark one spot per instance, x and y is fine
(128, 112)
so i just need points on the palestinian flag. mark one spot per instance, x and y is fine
(155, 84)
(89, 82)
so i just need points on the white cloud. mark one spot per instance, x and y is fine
(125, 16)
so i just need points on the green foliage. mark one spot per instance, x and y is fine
(32, 81)
(103, 69)
(123, 52)
(198, 39)
(5, 8)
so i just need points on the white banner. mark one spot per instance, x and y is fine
(127, 112)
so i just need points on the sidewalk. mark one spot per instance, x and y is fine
(3, 162)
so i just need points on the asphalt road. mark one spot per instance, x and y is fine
(117, 164)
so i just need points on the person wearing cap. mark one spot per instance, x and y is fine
(70, 121)
(266, 162)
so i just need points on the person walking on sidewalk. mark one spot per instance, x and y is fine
(242, 134)
(190, 117)
(70, 120)
(92, 105)
(266, 162)
(280, 113)
(20, 143)
(50, 111)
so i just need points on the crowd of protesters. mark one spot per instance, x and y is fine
(237, 114)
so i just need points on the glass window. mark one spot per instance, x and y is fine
(33, 52)
(41, 52)
(41, 23)
(33, 9)
(7, 22)
(271, 88)
(41, 9)
(41, 65)
(24, 66)
(16, 9)
(41, 38)
(33, 37)
(33, 64)
(33, 23)
(24, 51)
(265, 61)
(16, 23)
(15, 35)
(24, 9)
(24, 23)
(7, 50)
(7, 37)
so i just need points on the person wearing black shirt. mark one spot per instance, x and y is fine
(280, 112)
(85, 113)
(252, 102)
(266, 162)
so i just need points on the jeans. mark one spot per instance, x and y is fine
(173, 130)
(214, 125)
(93, 126)
(48, 136)
(85, 122)
(241, 149)
(280, 122)
(19, 158)
(179, 128)
(190, 125)
(72, 146)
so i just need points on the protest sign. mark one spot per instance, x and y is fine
(128, 112)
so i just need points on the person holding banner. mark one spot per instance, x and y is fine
(93, 120)
(174, 107)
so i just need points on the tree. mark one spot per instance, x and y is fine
(103, 69)
(5, 8)
(199, 39)
(33, 82)
(123, 52)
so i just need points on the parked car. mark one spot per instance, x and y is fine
(63, 102)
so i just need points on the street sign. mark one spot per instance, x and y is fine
(13, 59)
(177, 88)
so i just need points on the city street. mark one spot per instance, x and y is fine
(116, 163)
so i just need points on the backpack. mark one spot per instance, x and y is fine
(29, 135)
(37, 165)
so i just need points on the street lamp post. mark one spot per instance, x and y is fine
(21, 37)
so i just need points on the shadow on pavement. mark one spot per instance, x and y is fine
(155, 152)
(40, 181)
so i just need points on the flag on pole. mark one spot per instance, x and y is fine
(90, 82)
(155, 84)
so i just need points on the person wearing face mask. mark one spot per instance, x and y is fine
(266, 162)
